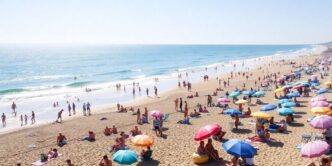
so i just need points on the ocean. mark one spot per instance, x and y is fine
(35, 77)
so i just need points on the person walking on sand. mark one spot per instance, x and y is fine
(69, 109)
(3, 118)
(155, 91)
(33, 117)
(59, 119)
(74, 108)
(88, 108)
(84, 109)
(25, 119)
(14, 109)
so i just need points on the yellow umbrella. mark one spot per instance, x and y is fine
(142, 141)
(328, 83)
(279, 90)
(320, 110)
(241, 101)
(261, 115)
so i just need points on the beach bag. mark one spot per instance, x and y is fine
(43, 157)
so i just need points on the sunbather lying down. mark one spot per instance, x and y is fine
(184, 121)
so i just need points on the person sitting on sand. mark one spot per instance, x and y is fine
(196, 94)
(205, 110)
(53, 153)
(201, 149)
(211, 151)
(267, 134)
(195, 114)
(120, 144)
(289, 119)
(61, 140)
(114, 130)
(146, 154)
(157, 126)
(105, 161)
(184, 121)
(107, 131)
(90, 137)
(135, 131)
(123, 135)
(248, 113)
(234, 162)
(219, 135)
(190, 96)
(69, 163)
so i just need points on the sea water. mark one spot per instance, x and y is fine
(35, 77)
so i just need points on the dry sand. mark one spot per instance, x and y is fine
(178, 145)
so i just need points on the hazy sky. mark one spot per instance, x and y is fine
(165, 21)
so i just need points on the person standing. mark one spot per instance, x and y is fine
(155, 91)
(69, 109)
(176, 102)
(74, 108)
(33, 117)
(88, 108)
(181, 103)
(14, 109)
(25, 119)
(84, 109)
(147, 91)
(21, 120)
(3, 118)
(138, 116)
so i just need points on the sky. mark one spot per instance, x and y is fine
(165, 21)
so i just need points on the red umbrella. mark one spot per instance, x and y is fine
(298, 86)
(206, 132)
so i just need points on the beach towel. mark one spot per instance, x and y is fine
(38, 163)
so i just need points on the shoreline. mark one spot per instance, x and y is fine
(250, 64)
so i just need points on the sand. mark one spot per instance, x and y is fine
(177, 147)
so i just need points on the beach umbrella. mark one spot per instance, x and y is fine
(298, 86)
(313, 76)
(306, 84)
(279, 90)
(315, 83)
(314, 149)
(269, 107)
(241, 101)
(260, 115)
(248, 93)
(320, 110)
(142, 141)
(239, 148)
(287, 87)
(293, 95)
(328, 83)
(235, 94)
(322, 91)
(284, 101)
(223, 100)
(259, 94)
(232, 111)
(297, 83)
(321, 122)
(318, 98)
(319, 104)
(156, 114)
(206, 132)
(286, 111)
(125, 157)
(288, 104)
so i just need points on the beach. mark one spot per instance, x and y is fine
(177, 146)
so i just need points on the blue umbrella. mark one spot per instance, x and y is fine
(239, 148)
(232, 111)
(282, 101)
(259, 94)
(125, 157)
(235, 94)
(315, 84)
(248, 93)
(286, 111)
(269, 107)
(288, 104)
(321, 91)
(293, 95)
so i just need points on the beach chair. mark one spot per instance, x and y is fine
(318, 137)
(166, 117)
(306, 138)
